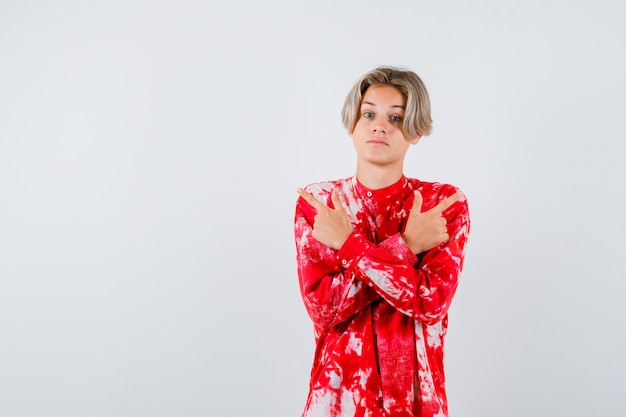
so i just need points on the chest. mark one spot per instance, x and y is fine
(380, 218)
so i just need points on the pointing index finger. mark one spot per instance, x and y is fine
(318, 205)
(446, 202)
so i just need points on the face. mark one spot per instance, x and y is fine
(378, 137)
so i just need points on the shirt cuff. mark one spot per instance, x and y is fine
(398, 247)
(353, 249)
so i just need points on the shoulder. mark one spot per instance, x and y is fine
(322, 190)
(434, 192)
(433, 188)
(326, 186)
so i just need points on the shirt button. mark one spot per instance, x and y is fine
(370, 284)
(369, 193)
(343, 262)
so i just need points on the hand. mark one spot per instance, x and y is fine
(426, 230)
(332, 227)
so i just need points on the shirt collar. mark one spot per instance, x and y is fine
(381, 193)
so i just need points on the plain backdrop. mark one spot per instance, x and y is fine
(150, 153)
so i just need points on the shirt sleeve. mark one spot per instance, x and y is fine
(422, 289)
(331, 292)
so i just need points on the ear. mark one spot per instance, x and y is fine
(413, 141)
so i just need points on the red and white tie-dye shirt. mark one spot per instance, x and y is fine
(379, 311)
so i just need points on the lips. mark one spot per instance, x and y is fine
(378, 141)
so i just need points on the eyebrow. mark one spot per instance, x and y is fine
(372, 104)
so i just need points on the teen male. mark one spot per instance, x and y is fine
(379, 257)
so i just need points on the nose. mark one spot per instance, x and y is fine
(380, 126)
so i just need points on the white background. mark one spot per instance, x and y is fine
(149, 158)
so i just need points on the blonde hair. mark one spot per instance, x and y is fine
(417, 121)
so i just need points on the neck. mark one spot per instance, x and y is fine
(377, 177)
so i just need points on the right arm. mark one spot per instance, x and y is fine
(389, 269)
(331, 294)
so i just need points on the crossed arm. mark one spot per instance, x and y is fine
(333, 292)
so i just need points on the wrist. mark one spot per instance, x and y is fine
(414, 246)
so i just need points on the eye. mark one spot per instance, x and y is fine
(368, 114)
(396, 118)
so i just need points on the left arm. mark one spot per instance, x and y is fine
(421, 289)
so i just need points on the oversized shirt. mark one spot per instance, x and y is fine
(379, 311)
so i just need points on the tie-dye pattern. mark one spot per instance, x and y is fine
(379, 311)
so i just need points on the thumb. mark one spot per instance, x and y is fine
(337, 200)
(417, 202)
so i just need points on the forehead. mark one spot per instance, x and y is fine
(384, 96)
